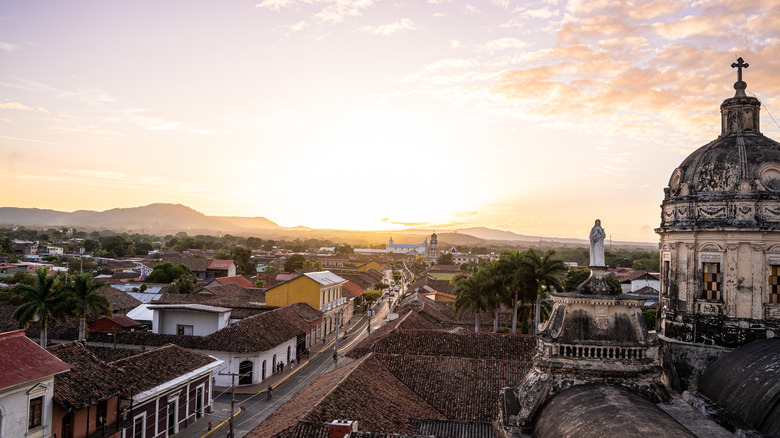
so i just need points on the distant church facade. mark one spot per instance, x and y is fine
(426, 248)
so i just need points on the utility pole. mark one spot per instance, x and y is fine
(232, 398)
(336, 349)
(81, 260)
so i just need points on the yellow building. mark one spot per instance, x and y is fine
(370, 265)
(321, 290)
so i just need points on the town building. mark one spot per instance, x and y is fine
(407, 248)
(27, 374)
(321, 290)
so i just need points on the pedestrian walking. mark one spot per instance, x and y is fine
(270, 392)
(281, 364)
(292, 363)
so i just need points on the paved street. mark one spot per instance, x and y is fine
(253, 402)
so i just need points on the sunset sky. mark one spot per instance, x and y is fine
(534, 117)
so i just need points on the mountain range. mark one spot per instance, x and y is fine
(162, 219)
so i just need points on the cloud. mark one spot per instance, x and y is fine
(330, 11)
(8, 47)
(401, 25)
(85, 129)
(100, 174)
(500, 44)
(151, 123)
(15, 106)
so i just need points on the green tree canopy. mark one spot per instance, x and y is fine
(168, 273)
(44, 299)
(242, 256)
(445, 259)
(294, 262)
(344, 250)
(83, 295)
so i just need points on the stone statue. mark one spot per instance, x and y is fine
(597, 236)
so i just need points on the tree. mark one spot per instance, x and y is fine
(574, 278)
(270, 270)
(83, 295)
(543, 271)
(371, 295)
(470, 296)
(445, 259)
(344, 250)
(91, 245)
(514, 271)
(242, 256)
(221, 256)
(117, 246)
(380, 285)
(143, 248)
(294, 262)
(185, 284)
(44, 300)
(314, 265)
(168, 273)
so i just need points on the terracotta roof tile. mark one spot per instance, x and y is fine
(121, 301)
(255, 333)
(353, 288)
(367, 392)
(89, 381)
(155, 367)
(238, 280)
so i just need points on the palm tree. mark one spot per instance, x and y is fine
(543, 272)
(83, 295)
(470, 296)
(494, 287)
(43, 301)
(513, 271)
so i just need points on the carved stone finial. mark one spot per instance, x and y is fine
(740, 85)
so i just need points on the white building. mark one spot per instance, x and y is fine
(26, 387)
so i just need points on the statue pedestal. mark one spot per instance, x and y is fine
(597, 283)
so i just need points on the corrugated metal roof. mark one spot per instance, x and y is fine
(195, 307)
(453, 429)
(325, 278)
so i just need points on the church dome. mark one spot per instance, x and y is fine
(734, 181)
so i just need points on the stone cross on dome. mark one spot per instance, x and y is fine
(740, 85)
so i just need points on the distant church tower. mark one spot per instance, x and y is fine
(433, 247)
(720, 234)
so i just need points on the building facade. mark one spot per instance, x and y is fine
(719, 235)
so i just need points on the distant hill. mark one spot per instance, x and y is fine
(162, 219)
(249, 222)
(153, 218)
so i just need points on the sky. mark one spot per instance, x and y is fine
(533, 117)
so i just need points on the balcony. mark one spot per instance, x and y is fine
(333, 304)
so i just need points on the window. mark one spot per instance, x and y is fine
(138, 426)
(102, 413)
(711, 281)
(774, 284)
(667, 277)
(35, 418)
(184, 330)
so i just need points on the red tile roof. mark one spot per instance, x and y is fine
(363, 391)
(155, 367)
(220, 265)
(238, 280)
(353, 288)
(22, 360)
(89, 381)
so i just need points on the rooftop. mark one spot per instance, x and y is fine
(22, 360)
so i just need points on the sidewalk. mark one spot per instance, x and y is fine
(221, 410)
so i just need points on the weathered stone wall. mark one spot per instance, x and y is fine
(690, 360)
